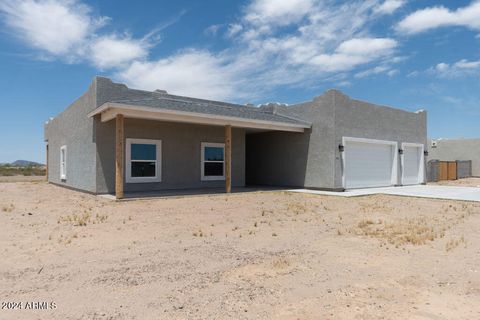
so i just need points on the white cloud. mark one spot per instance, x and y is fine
(337, 62)
(354, 52)
(57, 27)
(373, 71)
(112, 51)
(277, 13)
(439, 16)
(389, 6)
(344, 83)
(464, 64)
(67, 30)
(213, 29)
(458, 69)
(393, 72)
(413, 74)
(193, 73)
(441, 67)
(367, 46)
(234, 29)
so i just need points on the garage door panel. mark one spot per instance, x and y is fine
(368, 164)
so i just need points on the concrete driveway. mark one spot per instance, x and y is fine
(422, 191)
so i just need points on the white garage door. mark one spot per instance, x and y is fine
(369, 164)
(412, 172)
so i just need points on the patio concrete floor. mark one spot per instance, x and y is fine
(422, 191)
(187, 192)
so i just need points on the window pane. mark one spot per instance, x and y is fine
(143, 169)
(213, 169)
(143, 151)
(213, 154)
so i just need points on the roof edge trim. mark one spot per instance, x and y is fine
(109, 110)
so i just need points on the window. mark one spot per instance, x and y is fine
(63, 163)
(213, 161)
(144, 160)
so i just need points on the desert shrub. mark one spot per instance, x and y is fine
(6, 170)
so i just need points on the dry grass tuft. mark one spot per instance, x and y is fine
(453, 243)
(198, 233)
(281, 263)
(65, 239)
(8, 208)
(99, 218)
(81, 220)
(401, 232)
(377, 206)
(297, 207)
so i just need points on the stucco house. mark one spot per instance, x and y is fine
(119, 140)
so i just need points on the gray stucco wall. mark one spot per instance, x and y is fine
(354, 118)
(181, 154)
(316, 160)
(74, 129)
(457, 149)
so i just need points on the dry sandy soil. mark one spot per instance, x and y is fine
(271, 255)
(468, 182)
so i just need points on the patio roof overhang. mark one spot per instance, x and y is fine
(109, 111)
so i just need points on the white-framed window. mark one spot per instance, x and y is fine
(213, 161)
(143, 161)
(63, 162)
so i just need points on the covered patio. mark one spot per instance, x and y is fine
(227, 118)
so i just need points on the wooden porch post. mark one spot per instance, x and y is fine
(228, 158)
(119, 152)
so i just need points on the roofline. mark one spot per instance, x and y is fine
(110, 110)
(374, 104)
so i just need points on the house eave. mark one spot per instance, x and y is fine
(109, 110)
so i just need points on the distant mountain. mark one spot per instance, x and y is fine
(25, 163)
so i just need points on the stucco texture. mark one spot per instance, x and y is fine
(316, 161)
(181, 154)
(75, 130)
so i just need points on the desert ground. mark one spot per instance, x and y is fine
(467, 182)
(20, 178)
(262, 255)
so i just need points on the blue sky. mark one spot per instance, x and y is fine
(407, 54)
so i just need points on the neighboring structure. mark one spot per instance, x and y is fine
(114, 140)
(457, 150)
